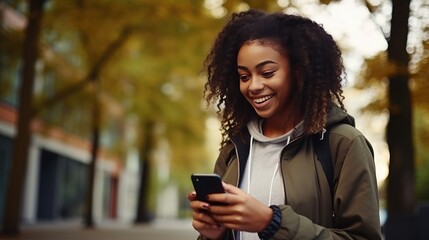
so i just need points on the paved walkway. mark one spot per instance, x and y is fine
(159, 230)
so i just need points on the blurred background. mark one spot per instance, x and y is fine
(102, 117)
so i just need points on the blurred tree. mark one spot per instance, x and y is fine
(405, 98)
(156, 26)
(80, 38)
(92, 57)
(376, 74)
(11, 219)
(401, 183)
(143, 213)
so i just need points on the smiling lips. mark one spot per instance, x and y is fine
(263, 99)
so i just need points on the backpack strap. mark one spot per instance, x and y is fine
(323, 154)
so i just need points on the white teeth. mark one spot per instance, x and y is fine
(263, 99)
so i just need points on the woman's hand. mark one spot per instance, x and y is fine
(202, 221)
(242, 211)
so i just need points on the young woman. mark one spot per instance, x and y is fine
(276, 79)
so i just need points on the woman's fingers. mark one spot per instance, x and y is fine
(202, 220)
(231, 188)
(241, 212)
(211, 231)
(192, 196)
(232, 195)
(204, 217)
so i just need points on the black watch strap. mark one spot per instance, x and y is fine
(274, 224)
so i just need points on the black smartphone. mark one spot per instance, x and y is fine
(205, 184)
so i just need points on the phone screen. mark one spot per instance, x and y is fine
(205, 184)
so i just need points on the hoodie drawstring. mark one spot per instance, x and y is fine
(323, 133)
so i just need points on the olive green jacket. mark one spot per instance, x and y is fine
(307, 212)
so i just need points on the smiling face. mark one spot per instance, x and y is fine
(265, 80)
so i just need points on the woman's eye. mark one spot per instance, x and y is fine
(268, 74)
(244, 78)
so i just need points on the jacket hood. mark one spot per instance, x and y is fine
(338, 116)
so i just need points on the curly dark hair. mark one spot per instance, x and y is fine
(314, 57)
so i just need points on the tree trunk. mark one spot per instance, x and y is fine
(400, 185)
(93, 76)
(96, 120)
(16, 181)
(143, 213)
(399, 129)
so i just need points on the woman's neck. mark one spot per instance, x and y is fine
(274, 129)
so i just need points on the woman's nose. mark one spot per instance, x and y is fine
(255, 84)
